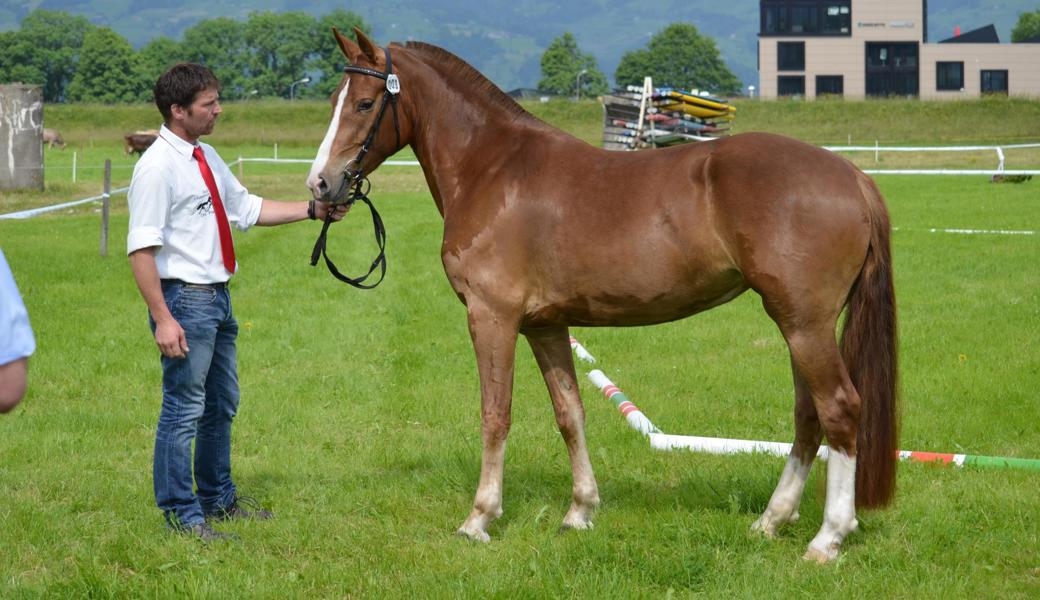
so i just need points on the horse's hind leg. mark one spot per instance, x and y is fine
(783, 505)
(815, 356)
(553, 352)
(494, 339)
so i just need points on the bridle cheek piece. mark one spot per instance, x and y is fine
(355, 177)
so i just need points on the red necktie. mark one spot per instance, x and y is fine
(227, 246)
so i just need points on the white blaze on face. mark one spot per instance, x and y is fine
(326, 144)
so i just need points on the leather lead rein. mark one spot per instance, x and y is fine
(362, 185)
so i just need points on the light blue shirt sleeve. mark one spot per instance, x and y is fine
(16, 336)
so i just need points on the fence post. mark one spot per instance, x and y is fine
(240, 167)
(876, 151)
(21, 135)
(276, 150)
(104, 207)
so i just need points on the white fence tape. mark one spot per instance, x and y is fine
(971, 231)
(878, 149)
(393, 163)
(997, 171)
(925, 148)
(25, 214)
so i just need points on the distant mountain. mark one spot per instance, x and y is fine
(505, 39)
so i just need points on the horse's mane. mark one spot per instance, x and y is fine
(444, 60)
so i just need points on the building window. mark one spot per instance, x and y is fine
(790, 85)
(949, 76)
(806, 17)
(994, 82)
(833, 85)
(836, 18)
(790, 56)
(891, 68)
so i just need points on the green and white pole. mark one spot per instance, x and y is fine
(632, 414)
(664, 441)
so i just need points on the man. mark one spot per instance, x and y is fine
(16, 340)
(183, 199)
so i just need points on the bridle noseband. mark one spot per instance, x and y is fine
(356, 178)
(390, 92)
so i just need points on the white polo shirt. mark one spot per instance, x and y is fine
(170, 207)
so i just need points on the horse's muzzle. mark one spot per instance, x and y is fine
(336, 191)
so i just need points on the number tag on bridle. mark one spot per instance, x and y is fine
(393, 84)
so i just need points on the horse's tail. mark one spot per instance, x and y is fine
(868, 346)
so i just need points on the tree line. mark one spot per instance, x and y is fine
(74, 60)
(678, 56)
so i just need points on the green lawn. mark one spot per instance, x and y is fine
(359, 426)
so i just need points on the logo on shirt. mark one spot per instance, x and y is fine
(205, 208)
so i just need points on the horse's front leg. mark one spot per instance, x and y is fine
(494, 340)
(552, 350)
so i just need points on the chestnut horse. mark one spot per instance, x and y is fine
(524, 208)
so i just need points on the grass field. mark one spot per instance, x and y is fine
(359, 424)
(360, 427)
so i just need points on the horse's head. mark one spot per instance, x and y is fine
(363, 110)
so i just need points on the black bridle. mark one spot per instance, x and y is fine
(356, 178)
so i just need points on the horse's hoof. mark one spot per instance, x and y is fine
(577, 518)
(767, 530)
(770, 527)
(477, 535)
(764, 528)
(821, 557)
(578, 525)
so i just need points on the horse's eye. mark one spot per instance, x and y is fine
(365, 105)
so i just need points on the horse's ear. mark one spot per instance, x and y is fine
(349, 48)
(370, 50)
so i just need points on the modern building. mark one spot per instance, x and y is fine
(859, 48)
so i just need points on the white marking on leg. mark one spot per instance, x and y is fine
(487, 504)
(585, 497)
(839, 512)
(326, 144)
(783, 505)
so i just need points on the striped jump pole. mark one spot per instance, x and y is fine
(632, 414)
(663, 441)
(581, 352)
(960, 460)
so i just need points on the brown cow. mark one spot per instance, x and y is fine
(138, 142)
(52, 138)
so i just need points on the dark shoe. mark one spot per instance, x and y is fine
(242, 508)
(207, 534)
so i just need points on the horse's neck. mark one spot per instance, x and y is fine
(461, 138)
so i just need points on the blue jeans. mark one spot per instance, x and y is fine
(200, 399)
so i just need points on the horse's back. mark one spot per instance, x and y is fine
(613, 238)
